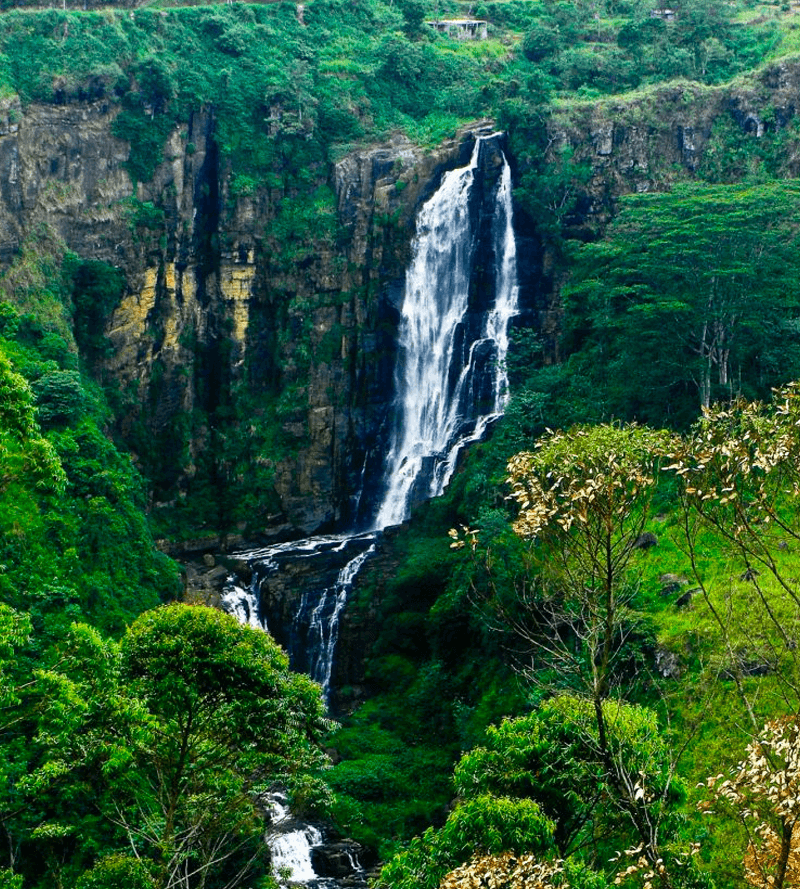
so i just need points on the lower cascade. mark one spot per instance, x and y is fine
(450, 386)
(301, 853)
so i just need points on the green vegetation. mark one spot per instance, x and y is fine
(548, 764)
(137, 762)
(584, 608)
(141, 761)
(80, 545)
(687, 299)
(615, 633)
(730, 489)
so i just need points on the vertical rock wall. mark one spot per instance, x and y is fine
(212, 306)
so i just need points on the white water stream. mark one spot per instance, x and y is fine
(437, 417)
(290, 844)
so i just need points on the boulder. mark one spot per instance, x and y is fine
(667, 664)
(671, 583)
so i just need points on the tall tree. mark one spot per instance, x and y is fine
(763, 794)
(583, 498)
(738, 472)
(162, 746)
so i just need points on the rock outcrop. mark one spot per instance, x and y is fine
(676, 131)
(649, 140)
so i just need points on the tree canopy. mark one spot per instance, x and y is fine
(149, 757)
(688, 299)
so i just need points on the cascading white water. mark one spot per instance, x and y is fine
(294, 845)
(242, 604)
(291, 852)
(438, 410)
(506, 304)
(316, 620)
(433, 423)
(324, 623)
(290, 848)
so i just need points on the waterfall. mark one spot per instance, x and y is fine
(436, 416)
(506, 304)
(304, 854)
(450, 385)
(292, 852)
(290, 844)
(242, 604)
(323, 623)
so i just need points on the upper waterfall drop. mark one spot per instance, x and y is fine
(441, 404)
(506, 304)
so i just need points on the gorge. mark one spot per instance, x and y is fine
(265, 272)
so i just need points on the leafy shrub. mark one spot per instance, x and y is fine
(118, 872)
(59, 397)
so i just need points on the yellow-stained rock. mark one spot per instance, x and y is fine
(236, 285)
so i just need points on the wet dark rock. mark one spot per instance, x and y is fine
(338, 859)
(686, 599)
(757, 668)
(645, 541)
(749, 664)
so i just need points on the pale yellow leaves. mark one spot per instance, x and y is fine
(764, 792)
(743, 449)
(587, 474)
(506, 871)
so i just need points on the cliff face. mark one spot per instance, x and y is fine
(228, 310)
(679, 131)
(352, 294)
(220, 300)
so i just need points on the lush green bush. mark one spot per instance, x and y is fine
(85, 548)
(483, 824)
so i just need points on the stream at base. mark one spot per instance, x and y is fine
(303, 853)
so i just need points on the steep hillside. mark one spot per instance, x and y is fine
(205, 221)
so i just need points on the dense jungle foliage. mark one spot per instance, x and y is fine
(580, 666)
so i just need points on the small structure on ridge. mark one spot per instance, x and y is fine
(461, 29)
